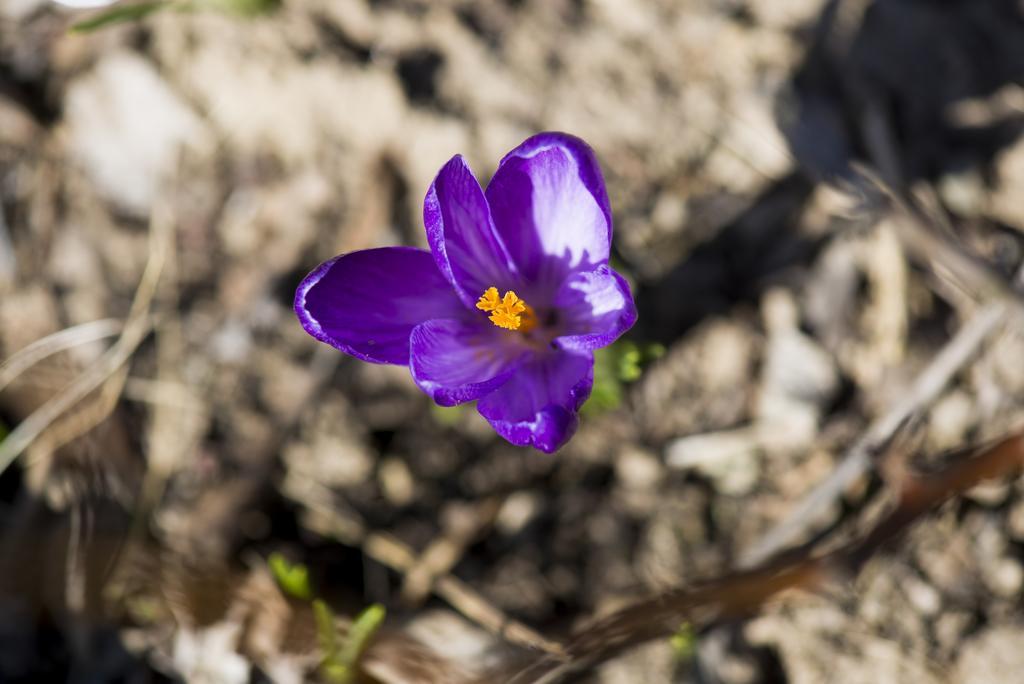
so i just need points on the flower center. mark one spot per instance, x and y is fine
(508, 312)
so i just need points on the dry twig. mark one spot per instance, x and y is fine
(937, 252)
(744, 593)
(137, 326)
(444, 553)
(25, 358)
(394, 554)
(926, 388)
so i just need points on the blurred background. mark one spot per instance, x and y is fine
(169, 173)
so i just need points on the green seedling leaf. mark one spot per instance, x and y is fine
(363, 628)
(146, 610)
(607, 392)
(140, 10)
(684, 642)
(628, 366)
(653, 352)
(615, 367)
(447, 415)
(327, 636)
(292, 578)
(119, 15)
(244, 8)
(632, 359)
(341, 662)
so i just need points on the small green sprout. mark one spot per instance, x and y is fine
(614, 367)
(606, 394)
(632, 359)
(683, 642)
(140, 10)
(340, 661)
(341, 658)
(447, 415)
(292, 578)
(145, 610)
(242, 8)
(119, 15)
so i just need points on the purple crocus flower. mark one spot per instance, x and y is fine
(508, 305)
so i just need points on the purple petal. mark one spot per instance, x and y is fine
(455, 361)
(537, 406)
(596, 307)
(367, 303)
(461, 234)
(551, 209)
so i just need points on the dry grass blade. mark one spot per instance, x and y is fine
(926, 388)
(74, 336)
(136, 328)
(396, 555)
(742, 594)
(445, 552)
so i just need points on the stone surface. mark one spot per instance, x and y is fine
(127, 128)
(994, 656)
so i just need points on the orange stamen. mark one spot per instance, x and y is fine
(510, 312)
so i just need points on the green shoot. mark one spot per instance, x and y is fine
(327, 635)
(341, 662)
(614, 367)
(137, 11)
(341, 657)
(607, 392)
(447, 415)
(683, 642)
(119, 15)
(292, 578)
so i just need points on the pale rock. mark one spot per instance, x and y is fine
(8, 261)
(725, 357)
(729, 459)
(963, 192)
(517, 511)
(1015, 521)
(670, 212)
(300, 110)
(17, 126)
(634, 19)
(454, 638)
(1004, 577)
(26, 316)
(73, 260)
(652, 662)
(284, 668)
(924, 597)
(989, 493)
(636, 468)
(396, 482)
(949, 420)
(1006, 203)
(798, 378)
(785, 14)
(16, 10)
(332, 460)
(950, 627)
(995, 657)
(127, 127)
(209, 655)
(232, 342)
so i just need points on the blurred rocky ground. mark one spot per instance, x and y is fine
(779, 317)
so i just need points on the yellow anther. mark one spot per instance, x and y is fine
(507, 312)
(489, 300)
